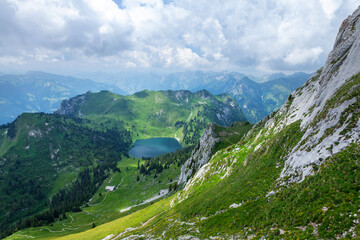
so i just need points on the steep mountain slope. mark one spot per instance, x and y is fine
(41, 92)
(294, 175)
(213, 139)
(180, 114)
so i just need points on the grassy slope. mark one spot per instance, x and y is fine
(154, 113)
(105, 208)
(231, 135)
(40, 140)
(130, 192)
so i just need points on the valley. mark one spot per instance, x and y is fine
(275, 158)
(47, 139)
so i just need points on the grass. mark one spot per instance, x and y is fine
(154, 113)
(231, 135)
(205, 212)
(335, 188)
(106, 208)
(136, 219)
(40, 140)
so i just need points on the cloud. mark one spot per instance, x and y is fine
(330, 7)
(254, 35)
(301, 56)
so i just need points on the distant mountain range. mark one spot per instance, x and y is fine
(258, 97)
(41, 92)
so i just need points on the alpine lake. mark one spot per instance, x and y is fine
(153, 147)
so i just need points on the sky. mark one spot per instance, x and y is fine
(66, 36)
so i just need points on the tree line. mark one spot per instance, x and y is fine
(162, 162)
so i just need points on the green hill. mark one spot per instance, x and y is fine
(179, 114)
(38, 158)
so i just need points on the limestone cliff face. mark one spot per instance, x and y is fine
(71, 107)
(326, 106)
(200, 155)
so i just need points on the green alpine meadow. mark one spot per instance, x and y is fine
(207, 152)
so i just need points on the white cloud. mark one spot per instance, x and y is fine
(330, 7)
(272, 35)
(301, 56)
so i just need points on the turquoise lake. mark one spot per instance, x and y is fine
(153, 147)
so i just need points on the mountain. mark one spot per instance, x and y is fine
(41, 92)
(180, 114)
(257, 97)
(257, 100)
(295, 175)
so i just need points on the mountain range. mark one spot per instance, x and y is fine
(258, 97)
(293, 175)
(43, 92)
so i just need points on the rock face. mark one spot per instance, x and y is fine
(69, 107)
(200, 155)
(326, 106)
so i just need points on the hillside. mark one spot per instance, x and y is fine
(41, 92)
(38, 158)
(257, 97)
(295, 175)
(179, 114)
(136, 183)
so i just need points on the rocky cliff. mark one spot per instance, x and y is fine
(327, 105)
(200, 155)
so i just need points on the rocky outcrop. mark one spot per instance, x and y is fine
(70, 107)
(326, 106)
(200, 155)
